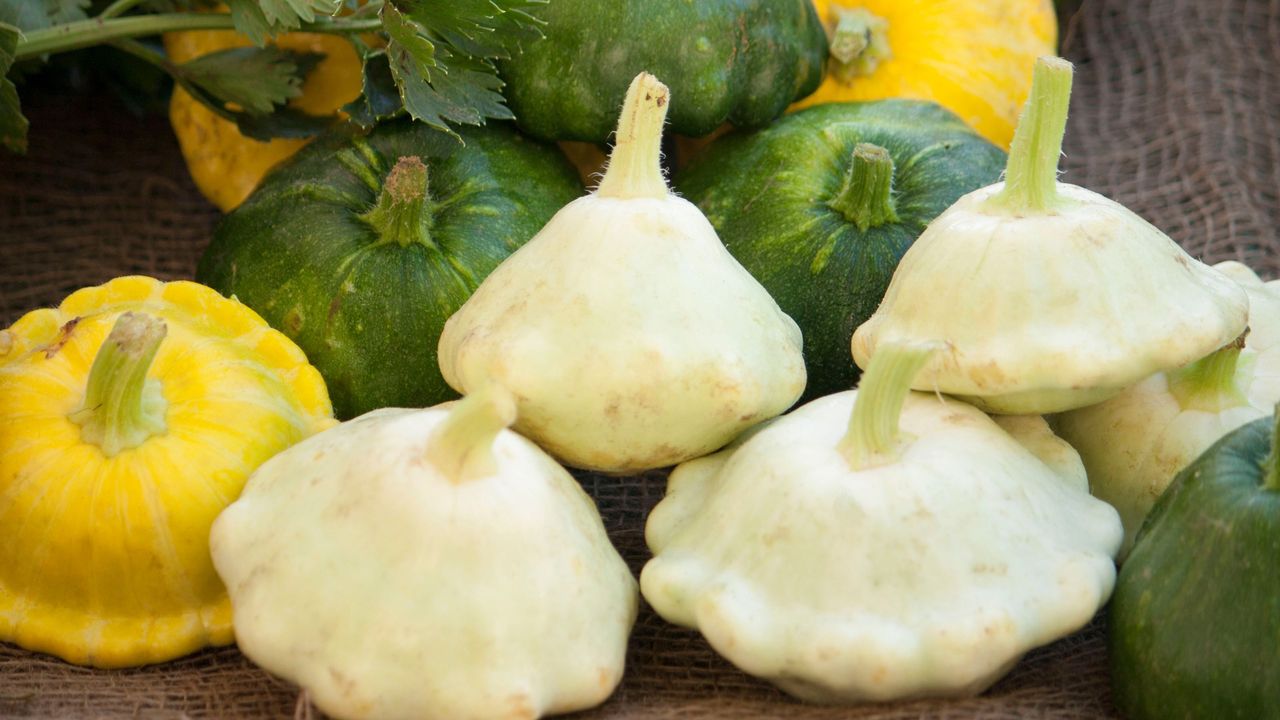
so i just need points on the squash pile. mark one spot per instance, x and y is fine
(910, 537)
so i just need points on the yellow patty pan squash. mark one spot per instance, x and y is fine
(130, 416)
(225, 165)
(973, 57)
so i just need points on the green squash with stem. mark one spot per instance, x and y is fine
(360, 248)
(821, 205)
(1195, 619)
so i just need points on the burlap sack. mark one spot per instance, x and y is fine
(1176, 114)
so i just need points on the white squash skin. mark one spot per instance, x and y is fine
(1135, 443)
(1263, 342)
(388, 591)
(1050, 312)
(629, 335)
(928, 577)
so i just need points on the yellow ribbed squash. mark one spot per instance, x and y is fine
(225, 165)
(973, 57)
(110, 478)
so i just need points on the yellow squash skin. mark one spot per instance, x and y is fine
(225, 165)
(973, 57)
(104, 561)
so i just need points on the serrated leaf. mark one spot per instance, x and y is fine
(28, 15)
(379, 99)
(255, 79)
(409, 37)
(260, 19)
(441, 54)
(13, 126)
(477, 28)
(249, 86)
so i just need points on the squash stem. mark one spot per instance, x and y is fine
(100, 30)
(858, 42)
(461, 447)
(635, 166)
(1031, 176)
(1209, 384)
(404, 211)
(122, 408)
(873, 437)
(866, 197)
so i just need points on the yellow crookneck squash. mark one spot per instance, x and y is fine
(130, 416)
(973, 57)
(225, 165)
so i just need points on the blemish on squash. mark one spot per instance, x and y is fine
(292, 322)
(990, 569)
(345, 684)
(6, 342)
(520, 706)
(987, 375)
(773, 536)
(611, 409)
(64, 336)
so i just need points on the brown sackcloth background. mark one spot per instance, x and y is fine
(1176, 114)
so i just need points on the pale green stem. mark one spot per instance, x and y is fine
(866, 197)
(461, 447)
(1031, 176)
(403, 213)
(121, 407)
(635, 165)
(98, 31)
(1209, 384)
(858, 42)
(873, 435)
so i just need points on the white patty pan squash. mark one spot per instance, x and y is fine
(427, 564)
(853, 559)
(629, 335)
(1262, 344)
(1135, 443)
(1048, 296)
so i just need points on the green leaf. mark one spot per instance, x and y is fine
(260, 19)
(28, 15)
(441, 54)
(255, 79)
(380, 98)
(249, 86)
(478, 28)
(13, 126)
(467, 93)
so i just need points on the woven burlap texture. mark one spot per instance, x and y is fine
(1176, 113)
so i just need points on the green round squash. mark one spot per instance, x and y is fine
(1194, 626)
(737, 61)
(360, 248)
(821, 205)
